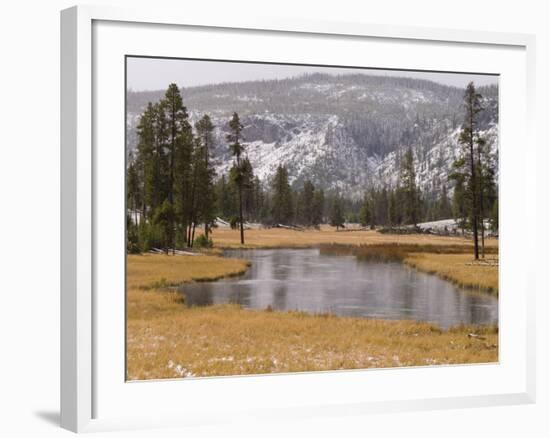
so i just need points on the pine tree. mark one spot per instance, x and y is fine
(382, 206)
(365, 214)
(179, 137)
(198, 171)
(237, 148)
(281, 204)
(259, 200)
(307, 203)
(205, 130)
(148, 162)
(318, 208)
(226, 207)
(133, 192)
(410, 194)
(444, 210)
(392, 209)
(247, 187)
(164, 219)
(336, 213)
(469, 138)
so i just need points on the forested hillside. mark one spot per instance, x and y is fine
(337, 131)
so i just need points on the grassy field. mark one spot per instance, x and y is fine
(165, 339)
(283, 238)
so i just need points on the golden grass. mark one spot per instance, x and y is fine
(169, 341)
(165, 339)
(155, 270)
(283, 238)
(461, 269)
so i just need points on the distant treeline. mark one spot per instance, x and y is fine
(172, 187)
(277, 203)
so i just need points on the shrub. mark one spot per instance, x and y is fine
(203, 242)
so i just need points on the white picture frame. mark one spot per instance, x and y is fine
(92, 390)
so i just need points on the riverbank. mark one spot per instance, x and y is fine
(460, 269)
(165, 339)
(451, 262)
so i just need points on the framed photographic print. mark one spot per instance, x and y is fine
(256, 206)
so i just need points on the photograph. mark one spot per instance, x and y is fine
(285, 218)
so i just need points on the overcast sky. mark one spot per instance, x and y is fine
(157, 73)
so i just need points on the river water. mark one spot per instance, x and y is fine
(305, 280)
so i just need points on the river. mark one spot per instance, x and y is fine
(305, 280)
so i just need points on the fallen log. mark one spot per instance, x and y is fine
(288, 227)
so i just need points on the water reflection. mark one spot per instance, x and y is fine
(307, 281)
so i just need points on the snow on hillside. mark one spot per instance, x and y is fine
(343, 133)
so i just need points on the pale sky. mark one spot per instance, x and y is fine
(155, 73)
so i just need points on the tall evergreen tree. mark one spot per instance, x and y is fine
(318, 207)
(259, 199)
(149, 161)
(179, 144)
(382, 206)
(205, 130)
(307, 204)
(281, 206)
(366, 212)
(247, 181)
(336, 213)
(237, 149)
(444, 209)
(410, 193)
(392, 209)
(469, 138)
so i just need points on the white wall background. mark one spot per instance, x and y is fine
(29, 215)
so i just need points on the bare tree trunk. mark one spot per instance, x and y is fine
(482, 238)
(481, 184)
(193, 208)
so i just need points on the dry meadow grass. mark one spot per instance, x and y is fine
(165, 339)
(461, 269)
(285, 238)
(157, 271)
